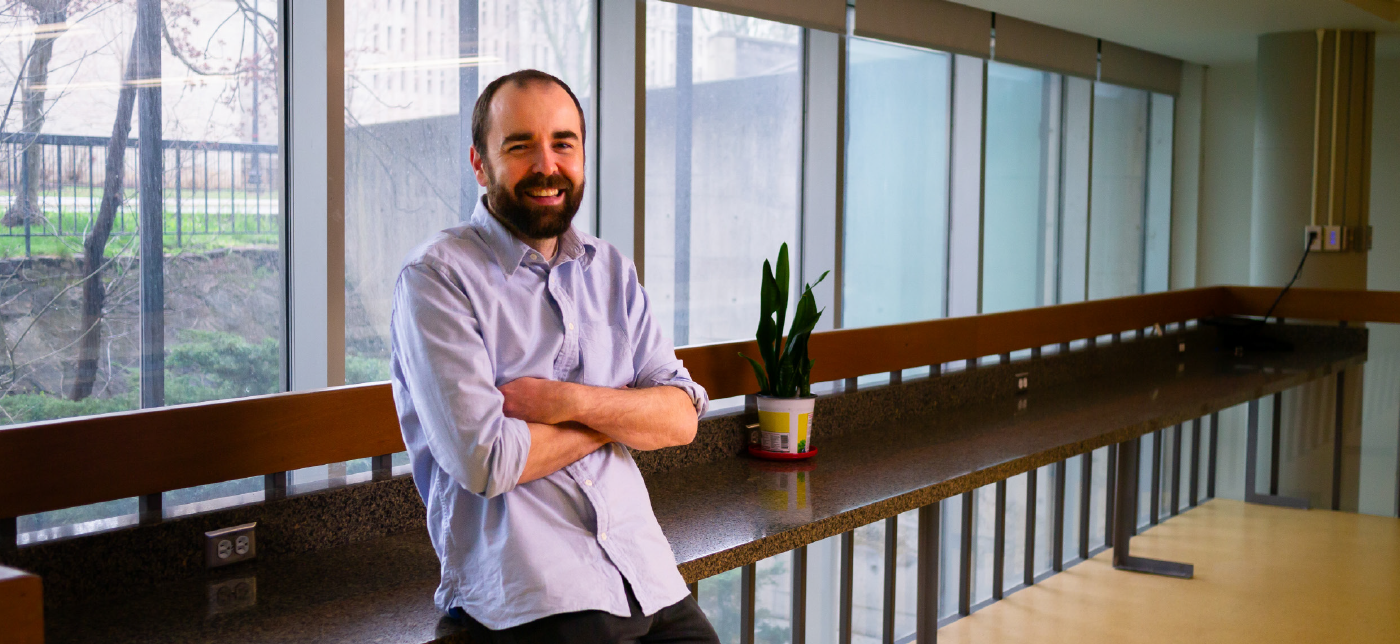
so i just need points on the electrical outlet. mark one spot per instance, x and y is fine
(232, 595)
(1312, 238)
(1023, 381)
(230, 545)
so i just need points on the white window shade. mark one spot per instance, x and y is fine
(1035, 45)
(827, 15)
(1124, 65)
(935, 24)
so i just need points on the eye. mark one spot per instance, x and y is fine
(564, 146)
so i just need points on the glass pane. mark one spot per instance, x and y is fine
(205, 202)
(1074, 190)
(1157, 262)
(896, 220)
(1380, 429)
(1014, 572)
(906, 593)
(984, 530)
(1021, 198)
(868, 584)
(949, 563)
(1116, 229)
(724, 149)
(410, 85)
(719, 599)
(1097, 497)
(823, 590)
(1044, 518)
(1070, 551)
(773, 600)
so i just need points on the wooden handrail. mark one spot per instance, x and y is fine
(64, 463)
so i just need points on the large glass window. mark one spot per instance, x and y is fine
(1020, 199)
(896, 221)
(140, 260)
(1118, 187)
(723, 165)
(413, 72)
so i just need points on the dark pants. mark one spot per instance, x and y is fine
(681, 622)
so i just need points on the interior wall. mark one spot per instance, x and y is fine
(1380, 437)
(1186, 175)
(1226, 175)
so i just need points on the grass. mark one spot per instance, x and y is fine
(225, 230)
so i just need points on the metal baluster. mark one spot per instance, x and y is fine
(747, 585)
(1210, 458)
(891, 562)
(1028, 578)
(1276, 435)
(799, 595)
(58, 152)
(843, 634)
(1154, 502)
(382, 467)
(1176, 468)
(1086, 480)
(1195, 462)
(1057, 522)
(1337, 438)
(9, 534)
(965, 556)
(1108, 495)
(91, 187)
(926, 612)
(205, 163)
(999, 543)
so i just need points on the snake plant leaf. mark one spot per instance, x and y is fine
(758, 373)
(782, 280)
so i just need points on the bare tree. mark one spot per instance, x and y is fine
(95, 243)
(50, 18)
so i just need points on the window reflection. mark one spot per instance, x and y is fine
(723, 159)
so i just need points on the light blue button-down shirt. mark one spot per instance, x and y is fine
(475, 308)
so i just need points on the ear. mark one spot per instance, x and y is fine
(478, 167)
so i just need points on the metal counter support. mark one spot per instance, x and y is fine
(1251, 466)
(1125, 517)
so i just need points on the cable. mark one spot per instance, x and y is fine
(1306, 249)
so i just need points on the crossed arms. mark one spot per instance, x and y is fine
(568, 421)
(490, 438)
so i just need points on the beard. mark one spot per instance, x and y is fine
(511, 205)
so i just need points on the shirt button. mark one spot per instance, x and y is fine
(588, 482)
(571, 326)
(602, 536)
(535, 257)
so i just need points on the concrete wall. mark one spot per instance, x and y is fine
(1227, 175)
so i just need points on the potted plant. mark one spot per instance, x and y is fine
(785, 399)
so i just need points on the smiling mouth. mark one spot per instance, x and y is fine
(543, 193)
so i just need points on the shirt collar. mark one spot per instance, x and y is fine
(510, 252)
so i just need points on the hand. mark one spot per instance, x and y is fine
(536, 400)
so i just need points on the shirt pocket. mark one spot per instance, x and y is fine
(605, 351)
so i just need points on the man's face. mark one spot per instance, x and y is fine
(533, 166)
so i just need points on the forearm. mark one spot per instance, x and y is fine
(644, 419)
(554, 447)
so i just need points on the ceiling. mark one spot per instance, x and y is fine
(1210, 32)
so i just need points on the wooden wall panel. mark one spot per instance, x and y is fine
(21, 607)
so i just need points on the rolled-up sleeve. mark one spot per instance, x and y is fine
(450, 379)
(654, 356)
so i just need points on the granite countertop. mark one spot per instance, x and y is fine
(717, 515)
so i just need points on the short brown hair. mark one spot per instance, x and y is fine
(481, 113)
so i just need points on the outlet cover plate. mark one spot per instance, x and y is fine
(230, 545)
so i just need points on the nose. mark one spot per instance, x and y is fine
(546, 161)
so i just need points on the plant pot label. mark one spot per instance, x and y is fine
(785, 424)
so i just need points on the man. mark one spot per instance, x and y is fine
(525, 362)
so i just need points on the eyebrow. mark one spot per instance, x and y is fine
(526, 136)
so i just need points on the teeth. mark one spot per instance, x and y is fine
(543, 192)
